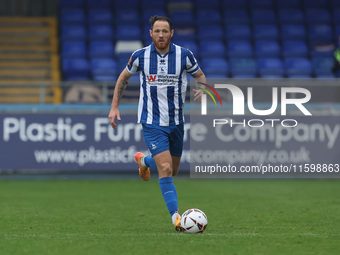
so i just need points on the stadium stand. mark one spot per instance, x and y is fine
(29, 58)
(262, 32)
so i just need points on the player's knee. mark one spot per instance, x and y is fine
(166, 169)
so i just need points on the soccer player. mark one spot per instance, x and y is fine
(163, 83)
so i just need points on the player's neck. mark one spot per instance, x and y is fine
(163, 51)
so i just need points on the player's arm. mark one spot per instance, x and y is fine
(199, 80)
(121, 84)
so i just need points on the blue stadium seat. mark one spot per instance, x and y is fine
(105, 77)
(212, 48)
(215, 66)
(337, 31)
(265, 31)
(156, 4)
(100, 16)
(73, 49)
(298, 67)
(236, 17)
(76, 69)
(318, 16)
(320, 32)
(146, 32)
(103, 69)
(322, 66)
(127, 17)
(334, 4)
(258, 4)
(270, 67)
(295, 32)
(101, 49)
(294, 16)
(285, 4)
(314, 4)
(208, 17)
(189, 44)
(126, 4)
(336, 16)
(232, 4)
(241, 31)
(243, 67)
(323, 48)
(148, 13)
(239, 48)
(72, 16)
(101, 32)
(263, 16)
(267, 48)
(182, 17)
(204, 4)
(98, 4)
(73, 32)
(128, 32)
(210, 32)
(122, 61)
(185, 33)
(294, 48)
(71, 4)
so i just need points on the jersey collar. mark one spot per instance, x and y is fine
(172, 49)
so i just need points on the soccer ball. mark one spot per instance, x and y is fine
(194, 221)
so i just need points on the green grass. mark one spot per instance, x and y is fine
(130, 217)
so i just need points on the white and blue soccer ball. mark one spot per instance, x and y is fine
(194, 221)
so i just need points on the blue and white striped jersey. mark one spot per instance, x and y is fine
(163, 81)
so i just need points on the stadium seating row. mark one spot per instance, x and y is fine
(269, 31)
(209, 16)
(107, 69)
(201, 3)
(206, 49)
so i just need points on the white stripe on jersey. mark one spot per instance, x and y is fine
(178, 71)
(162, 95)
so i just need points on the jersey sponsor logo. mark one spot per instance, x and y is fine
(151, 77)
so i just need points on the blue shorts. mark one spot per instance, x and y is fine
(159, 139)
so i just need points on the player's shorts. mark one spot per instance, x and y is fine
(159, 139)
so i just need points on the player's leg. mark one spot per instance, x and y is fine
(168, 189)
(175, 165)
(176, 148)
(157, 140)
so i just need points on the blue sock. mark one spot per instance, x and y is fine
(169, 194)
(150, 162)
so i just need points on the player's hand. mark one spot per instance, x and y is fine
(197, 94)
(114, 113)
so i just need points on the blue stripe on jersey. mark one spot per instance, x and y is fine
(171, 63)
(171, 104)
(155, 106)
(144, 116)
(153, 62)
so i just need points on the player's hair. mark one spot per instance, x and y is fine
(153, 19)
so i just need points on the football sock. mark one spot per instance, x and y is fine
(169, 194)
(150, 162)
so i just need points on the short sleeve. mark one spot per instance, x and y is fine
(191, 63)
(132, 65)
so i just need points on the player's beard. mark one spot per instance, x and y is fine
(162, 46)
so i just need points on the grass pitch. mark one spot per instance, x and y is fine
(130, 217)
